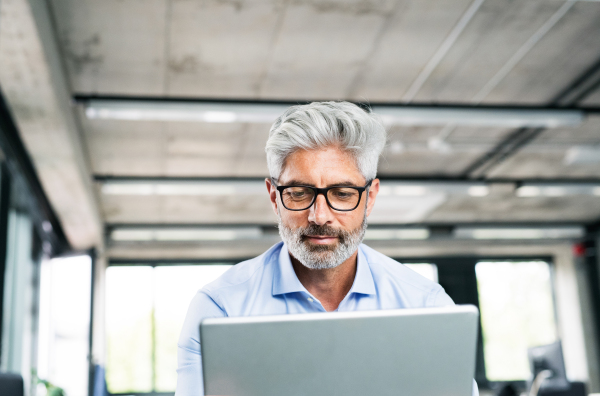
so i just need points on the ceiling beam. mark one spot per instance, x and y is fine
(265, 111)
(384, 177)
(37, 91)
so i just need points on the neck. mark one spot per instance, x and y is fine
(331, 285)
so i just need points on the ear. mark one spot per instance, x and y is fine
(272, 189)
(373, 191)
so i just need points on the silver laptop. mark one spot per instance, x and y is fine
(411, 352)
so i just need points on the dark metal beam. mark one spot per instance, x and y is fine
(21, 168)
(383, 177)
(91, 363)
(502, 151)
(4, 208)
(572, 94)
(434, 225)
(581, 87)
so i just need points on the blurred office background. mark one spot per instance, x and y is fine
(132, 136)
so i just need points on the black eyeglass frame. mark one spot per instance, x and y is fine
(323, 191)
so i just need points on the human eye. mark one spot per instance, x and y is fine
(298, 193)
(343, 193)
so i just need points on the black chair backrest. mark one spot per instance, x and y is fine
(11, 385)
(577, 389)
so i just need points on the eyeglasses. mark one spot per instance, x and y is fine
(342, 198)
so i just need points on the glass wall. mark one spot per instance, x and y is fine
(145, 310)
(517, 312)
(64, 324)
(516, 302)
(146, 306)
(428, 270)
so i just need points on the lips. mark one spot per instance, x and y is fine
(321, 239)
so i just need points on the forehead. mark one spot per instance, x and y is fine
(321, 167)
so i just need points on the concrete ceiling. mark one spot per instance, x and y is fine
(511, 52)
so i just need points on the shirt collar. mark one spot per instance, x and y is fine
(286, 281)
(363, 281)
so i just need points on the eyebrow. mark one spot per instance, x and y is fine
(296, 182)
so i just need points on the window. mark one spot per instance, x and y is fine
(64, 323)
(145, 309)
(427, 270)
(516, 303)
(517, 312)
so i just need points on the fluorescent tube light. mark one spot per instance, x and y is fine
(556, 190)
(257, 187)
(519, 233)
(478, 191)
(510, 118)
(183, 188)
(410, 191)
(184, 234)
(420, 189)
(528, 191)
(395, 234)
(580, 155)
(138, 110)
(249, 112)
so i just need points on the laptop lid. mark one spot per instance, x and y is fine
(414, 352)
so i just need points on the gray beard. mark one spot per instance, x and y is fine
(320, 256)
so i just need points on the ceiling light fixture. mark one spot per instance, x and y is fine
(265, 112)
(184, 234)
(421, 189)
(582, 155)
(257, 187)
(478, 191)
(519, 233)
(396, 234)
(557, 190)
(183, 188)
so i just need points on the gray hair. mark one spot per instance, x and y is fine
(323, 124)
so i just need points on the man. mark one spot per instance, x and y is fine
(322, 159)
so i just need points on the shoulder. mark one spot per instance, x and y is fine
(393, 276)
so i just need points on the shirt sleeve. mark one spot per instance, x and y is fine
(475, 389)
(189, 364)
(440, 299)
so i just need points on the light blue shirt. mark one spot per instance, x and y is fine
(268, 285)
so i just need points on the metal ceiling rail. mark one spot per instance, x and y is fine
(266, 111)
(148, 233)
(242, 188)
(383, 177)
(582, 86)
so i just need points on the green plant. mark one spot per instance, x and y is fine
(51, 389)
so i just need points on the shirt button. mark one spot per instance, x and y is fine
(310, 299)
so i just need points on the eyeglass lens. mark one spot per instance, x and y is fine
(300, 198)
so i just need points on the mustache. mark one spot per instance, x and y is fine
(323, 230)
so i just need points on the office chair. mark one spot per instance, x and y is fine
(576, 389)
(11, 385)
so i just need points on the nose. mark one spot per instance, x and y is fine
(320, 212)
